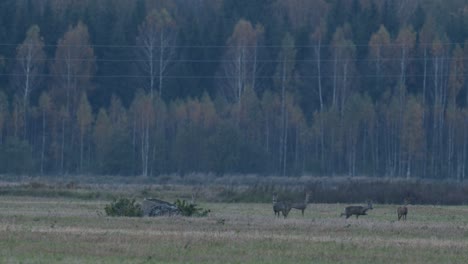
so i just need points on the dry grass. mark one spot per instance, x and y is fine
(64, 230)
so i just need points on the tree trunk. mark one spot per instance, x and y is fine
(62, 151)
(43, 142)
(283, 117)
(285, 154)
(161, 61)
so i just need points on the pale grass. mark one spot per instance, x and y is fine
(46, 230)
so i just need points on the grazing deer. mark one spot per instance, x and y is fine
(302, 205)
(357, 210)
(280, 206)
(402, 211)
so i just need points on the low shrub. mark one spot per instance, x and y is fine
(188, 209)
(124, 207)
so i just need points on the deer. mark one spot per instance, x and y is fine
(302, 205)
(280, 206)
(357, 210)
(402, 211)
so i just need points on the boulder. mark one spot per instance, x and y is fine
(156, 207)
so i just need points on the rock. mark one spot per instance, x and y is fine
(156, 207)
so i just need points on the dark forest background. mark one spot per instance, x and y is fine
(270, 87)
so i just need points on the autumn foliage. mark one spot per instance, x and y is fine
(291, 87)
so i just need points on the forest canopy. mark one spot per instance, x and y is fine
(283, 87)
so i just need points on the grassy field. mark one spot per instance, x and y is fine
(72, 230)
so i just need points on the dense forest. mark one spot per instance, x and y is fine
(270, 87)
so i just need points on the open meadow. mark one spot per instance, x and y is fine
(72, 229)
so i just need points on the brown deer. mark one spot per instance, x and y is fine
(402, 211)
(280, 206)
(357, 210)
(302, 205)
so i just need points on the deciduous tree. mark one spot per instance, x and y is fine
(30, 61)
(102, 137)
(84, 117)
(4, 113)
(284, 79)
(73, 67)
(240, 62)
(379, 54)
(156, 47)
(45, 107)
(412, 134)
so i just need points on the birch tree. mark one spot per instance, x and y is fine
(412, 135)
(30, 61)
(452, 113)
(379, 45)
(284, 79)
(156, 49)
(426, 36)
(84, 118)
(72, 72)
(143, 115)
(73, 67)
(45, 107)
(439, 67)
(317, 39)
(4, 112)
(240, 62)
(343, 52)
(102, 137)
(404, 45)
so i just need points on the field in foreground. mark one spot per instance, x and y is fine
(68, 230)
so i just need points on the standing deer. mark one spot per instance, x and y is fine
(402, 211)
(280, 206)
(357, 210)
(302, 205)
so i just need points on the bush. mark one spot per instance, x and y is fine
(187, 209)
(124, 207)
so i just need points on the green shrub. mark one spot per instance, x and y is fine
(124, 207)
(188, 209)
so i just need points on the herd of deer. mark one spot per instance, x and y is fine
(284, 207)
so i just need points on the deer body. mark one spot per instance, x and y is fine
(357, 210)
(402, 212)
(281, 207)
(302, 205)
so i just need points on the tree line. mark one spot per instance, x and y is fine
(362, 87)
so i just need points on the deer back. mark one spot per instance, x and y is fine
(359, 210)
(402, 210)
